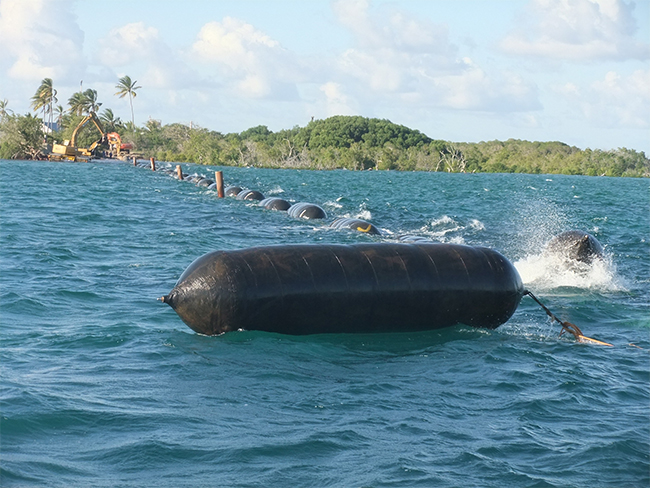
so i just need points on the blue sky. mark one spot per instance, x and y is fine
(577, 71)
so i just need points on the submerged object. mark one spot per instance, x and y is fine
(361, 288)
(275, 203)
(303, 210)
(355, 224)
(233, 191)
(249, 195)
(576, 245)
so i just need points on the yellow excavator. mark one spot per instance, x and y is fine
(68, 151)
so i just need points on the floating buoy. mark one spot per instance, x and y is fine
(362, 288)
(275, 203)
(575, 245)
(304, 210)
(249, 195)
(355, 224)
(232, 191)
(205, 182)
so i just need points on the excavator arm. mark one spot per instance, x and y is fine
(69, 150)
(91, 117)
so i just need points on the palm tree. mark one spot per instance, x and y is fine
(111, 123)
(84, 102)
(38, 103)
(90, 101)
(4, 111)
(127, 87)
(130, 126)
(77, 103)
(44, 99)
(60, 112)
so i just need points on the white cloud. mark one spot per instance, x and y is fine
(614, 101)
(618, 100)
(252, 63)
(130, 43)
(140, 49)
(40, 39)
(413, 61)
(392, 29)
(577, 30)
(336, 101)
(474, 89)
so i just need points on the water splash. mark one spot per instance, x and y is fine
(549, 271)
(363, 215)
(538, 221)
(476, 224)
(438, 229)
(448, 229)
(330, 204)
(276, 190)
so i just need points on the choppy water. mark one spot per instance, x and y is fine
(104, 386)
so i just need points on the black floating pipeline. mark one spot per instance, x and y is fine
(307, 289)
(275, 203)
(233, 191)
(250, 195)
(362, 288)
(355, 224)
(206, 182)
(303, 210)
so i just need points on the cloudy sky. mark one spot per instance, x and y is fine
(577, 71)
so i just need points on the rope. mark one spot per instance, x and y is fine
(572, 329)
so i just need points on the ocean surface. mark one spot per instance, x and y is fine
(104, 386)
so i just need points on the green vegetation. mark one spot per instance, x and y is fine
(350, 142)
(359, 143)
(20, 137)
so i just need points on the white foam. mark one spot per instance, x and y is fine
(333, 204)
(549, 271)
(364, 215)
(456, 240)
(275, 191)
(476, 224)
(445, 219)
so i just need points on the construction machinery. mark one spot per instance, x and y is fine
(117, 148)
(68, 151)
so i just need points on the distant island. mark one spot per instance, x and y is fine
(339, 142)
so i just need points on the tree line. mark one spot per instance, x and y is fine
(360, 143)
(349, 142)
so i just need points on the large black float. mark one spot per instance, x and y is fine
(304, 210)
(575, 245)
(355, 224)
(275, 203)
(362, 288)
(249, 195)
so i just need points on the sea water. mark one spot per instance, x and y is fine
(104, 386)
